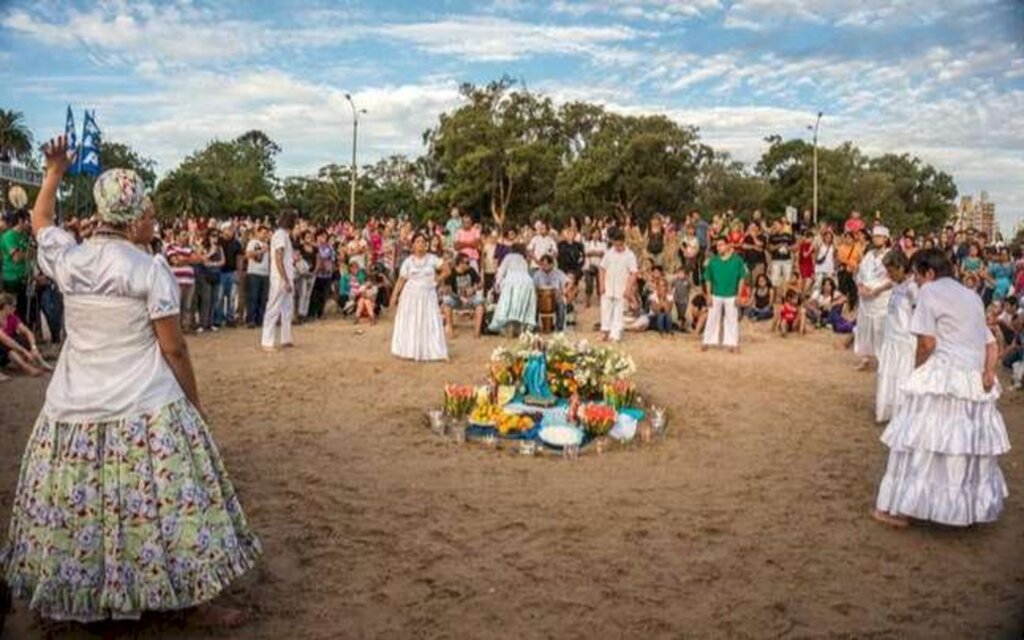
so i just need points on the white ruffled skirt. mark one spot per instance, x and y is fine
(419, 328)
(943, 442)
(895, 364)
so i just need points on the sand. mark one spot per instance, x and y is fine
(749, 520)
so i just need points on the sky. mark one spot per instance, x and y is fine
(941, 80)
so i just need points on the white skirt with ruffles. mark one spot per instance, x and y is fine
(943, 442)
(895, 364)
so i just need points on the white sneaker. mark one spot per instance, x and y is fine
(1018, 375)
(200, 330)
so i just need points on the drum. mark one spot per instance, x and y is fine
(546, 301)
(547, 322)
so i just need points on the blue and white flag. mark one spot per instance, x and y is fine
(89, 154)
(69, 133)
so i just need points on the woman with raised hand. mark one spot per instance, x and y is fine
(123, 505)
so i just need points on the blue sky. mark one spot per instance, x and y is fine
(943, 80)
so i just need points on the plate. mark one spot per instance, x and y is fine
(560, 435)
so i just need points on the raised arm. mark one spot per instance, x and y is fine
(58, 159)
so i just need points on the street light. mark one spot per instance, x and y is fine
(815, 129)
(355, 167)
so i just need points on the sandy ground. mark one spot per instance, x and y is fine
(748, 521)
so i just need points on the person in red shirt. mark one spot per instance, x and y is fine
(854, 223)
(806, 260)
(791, 315)
(17, 343)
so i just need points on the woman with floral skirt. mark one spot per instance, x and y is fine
(123, 505)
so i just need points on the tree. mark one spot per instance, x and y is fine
(500, 152)
(922, 197)
(185, 193)
(240, 171)
(331, 192)
(724, 183)
(635, 165)
(15, 137)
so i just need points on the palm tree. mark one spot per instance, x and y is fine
(185, 193)
(331, 192)
(15, 137)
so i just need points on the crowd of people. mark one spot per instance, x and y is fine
(691, 273)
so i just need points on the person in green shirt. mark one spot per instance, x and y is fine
(14, 255)
(722, 277)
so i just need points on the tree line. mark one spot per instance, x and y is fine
(508, 155)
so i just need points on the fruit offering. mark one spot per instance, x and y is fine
(514, 423)
(485, 413)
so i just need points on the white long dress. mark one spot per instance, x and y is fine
(896, 357)
(869, 334)
(123, 505)
(419, 328)
(945, 437)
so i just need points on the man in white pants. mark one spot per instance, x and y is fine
(722, 277)
(617, 282)
(281, 299)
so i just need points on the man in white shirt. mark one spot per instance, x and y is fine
(541, 244)
(257, 277)
(281, 301)
(617, 284)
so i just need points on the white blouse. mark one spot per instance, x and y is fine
(111, 366)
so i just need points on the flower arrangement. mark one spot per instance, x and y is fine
(573, 367)
(506, 366)
(597, 419)
(459, 400)
(620, 393)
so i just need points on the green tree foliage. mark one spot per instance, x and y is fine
(185, 193)
(239, 173)
(500, 152)
(509, 154)
(628, 165)
(15, 137)
(901, 189)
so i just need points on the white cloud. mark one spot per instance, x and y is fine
(762, 14)
(650, 10)
(498, 39)
(134, 32)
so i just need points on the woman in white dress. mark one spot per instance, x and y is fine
(419, 328)
(946, 436)
(123, 505)
(874, 287)
(896, 357)
(517, 297)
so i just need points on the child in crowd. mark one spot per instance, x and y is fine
(348, 287)
(366, 300)
(761, 307)
(791, 317)
(896, 357)
(681, 286)
(660, 301)
(17, 343)
(698, 312)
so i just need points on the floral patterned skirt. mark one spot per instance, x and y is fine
(112, 519)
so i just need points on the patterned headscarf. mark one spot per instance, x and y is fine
(120, 196)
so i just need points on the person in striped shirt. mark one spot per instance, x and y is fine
(182, 258)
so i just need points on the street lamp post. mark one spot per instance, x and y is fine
(355, 166)
(817, 123)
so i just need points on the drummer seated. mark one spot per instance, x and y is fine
(464, 294)
(551, 277)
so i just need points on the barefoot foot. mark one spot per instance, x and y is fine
(898, 522)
